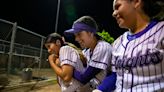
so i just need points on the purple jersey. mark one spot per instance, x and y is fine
(139, 60)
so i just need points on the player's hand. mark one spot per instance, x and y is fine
(57, 62)
(52, 58)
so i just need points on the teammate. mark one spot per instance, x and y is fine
(98, 52)
(64, 58)
(138, 55)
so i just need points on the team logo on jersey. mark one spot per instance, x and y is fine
(144, 60)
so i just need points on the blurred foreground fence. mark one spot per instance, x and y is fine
(20, 48)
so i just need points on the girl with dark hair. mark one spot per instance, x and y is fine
(138, 55)
(64, 58)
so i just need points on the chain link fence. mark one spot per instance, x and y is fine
(21, 48)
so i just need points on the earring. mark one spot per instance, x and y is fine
(58, 43)
(92, 34)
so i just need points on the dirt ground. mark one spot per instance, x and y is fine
(47, 73)
(49, 88)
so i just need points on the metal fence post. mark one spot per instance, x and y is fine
(57, 16)
(41, 52)
(11, 47)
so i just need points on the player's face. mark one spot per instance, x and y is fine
(83, 38)
(52, 48)
(124, 13)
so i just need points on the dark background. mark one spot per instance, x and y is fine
(40, 15)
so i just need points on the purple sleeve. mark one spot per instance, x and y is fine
(108, 84)
(87, 75)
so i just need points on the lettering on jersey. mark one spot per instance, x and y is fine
(144, 60)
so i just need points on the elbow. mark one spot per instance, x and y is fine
(67, 79)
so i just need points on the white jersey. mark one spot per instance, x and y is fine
(139, 60)
(70, 56)
(100, 57)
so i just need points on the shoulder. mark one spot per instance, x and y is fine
(161, 23)
(156, 30)
(120, 38)
(158, 24)
(103, 44)
(67, 49)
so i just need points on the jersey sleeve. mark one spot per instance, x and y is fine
(68, 56)
(101, 56)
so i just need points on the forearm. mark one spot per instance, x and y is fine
(54, 63)
(65, 71)
(87, 75)
(58, 70)
(108, 84)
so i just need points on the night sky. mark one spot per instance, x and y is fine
(40, 15)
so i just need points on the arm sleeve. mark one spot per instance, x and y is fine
(87, 75)
(108, 84)
(101, 57)
(68, 56)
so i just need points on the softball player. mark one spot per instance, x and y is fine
(138, 56)
(63, 62)
(98, 52)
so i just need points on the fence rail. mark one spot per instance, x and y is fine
(20, 47)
